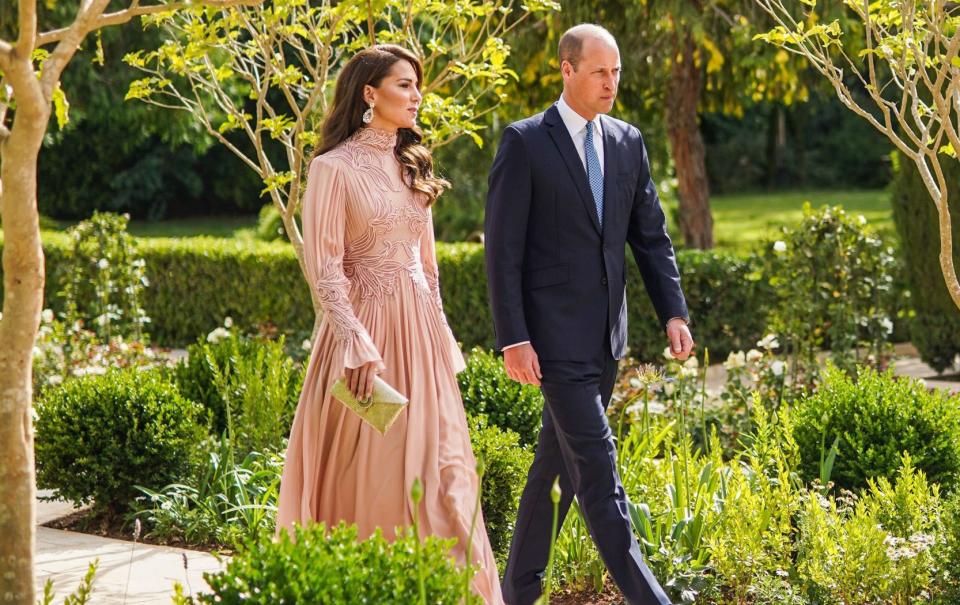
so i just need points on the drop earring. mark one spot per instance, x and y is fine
(368, 115)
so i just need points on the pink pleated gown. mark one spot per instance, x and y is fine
(369, 251)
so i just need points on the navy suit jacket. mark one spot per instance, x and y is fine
(555, 277)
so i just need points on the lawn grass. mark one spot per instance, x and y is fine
(742, 220)
(212, 226)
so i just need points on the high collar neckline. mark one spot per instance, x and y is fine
(385, 140)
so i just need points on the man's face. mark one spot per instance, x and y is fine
(591, 88)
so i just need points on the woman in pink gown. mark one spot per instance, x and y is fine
(369, 252)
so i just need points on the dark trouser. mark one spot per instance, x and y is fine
(577, 444)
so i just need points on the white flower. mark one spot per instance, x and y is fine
(307, 345)
(47, 316)
(668, 354)
(691, 363)
(37, 352)
(735, 360)
(861, 219)
(688, 372)
(103, 264)
(89, 370)
(228, 322)
(777, 367)
(768, 342)
(54, 379)
(753, 356)
(887, 325)
(779, 246)
(218, 335)
(669, 388)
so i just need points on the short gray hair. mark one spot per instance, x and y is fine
(570, 48)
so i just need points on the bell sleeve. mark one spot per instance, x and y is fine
(324, 225)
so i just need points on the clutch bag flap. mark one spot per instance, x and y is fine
(380, 410)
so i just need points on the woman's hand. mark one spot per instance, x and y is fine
(360, 380)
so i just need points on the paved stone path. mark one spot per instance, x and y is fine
(142, 572)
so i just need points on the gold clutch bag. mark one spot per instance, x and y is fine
(379, 410)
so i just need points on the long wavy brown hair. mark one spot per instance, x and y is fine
(370, 66)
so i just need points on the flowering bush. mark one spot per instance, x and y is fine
(54, 361)
(102, 280)
(834, 283)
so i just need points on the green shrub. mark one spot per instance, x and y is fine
(946, 552)
(229, 501)
(877, 549)
(877, 418)
(270, 225)
(333, 568)
(506, 464)
(715, 284)
(196, 282)
(486, 389)
(935, 329)
(834, 281)
(259, 380)
(100, 435)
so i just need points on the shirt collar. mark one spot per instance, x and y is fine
(574, 121)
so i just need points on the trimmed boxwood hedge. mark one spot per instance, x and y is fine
(196, 282)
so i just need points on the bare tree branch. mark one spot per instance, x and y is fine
(68, 45)
(6, 54)
(135, 10)
(27, 19)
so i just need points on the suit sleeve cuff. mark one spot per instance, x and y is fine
(516, 344)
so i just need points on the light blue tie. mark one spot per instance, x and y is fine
(594, 174)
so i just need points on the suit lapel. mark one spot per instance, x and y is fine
(561, 138)
(609, 172)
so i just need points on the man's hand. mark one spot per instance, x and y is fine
(681, 341)
(360, 380)
(522, 364)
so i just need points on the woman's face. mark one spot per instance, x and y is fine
(396, 100)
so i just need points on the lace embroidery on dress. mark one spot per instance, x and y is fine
(333, 288)
(415, 270)
(371, 260)
(363, 151)
(389, 244)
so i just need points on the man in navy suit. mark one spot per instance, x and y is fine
(569, 189)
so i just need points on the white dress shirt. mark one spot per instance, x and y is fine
(577, 127)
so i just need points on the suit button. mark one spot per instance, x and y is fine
(603, 280)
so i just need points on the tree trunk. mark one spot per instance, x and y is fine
(777, 174)
(23, 278)
(686, 143)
